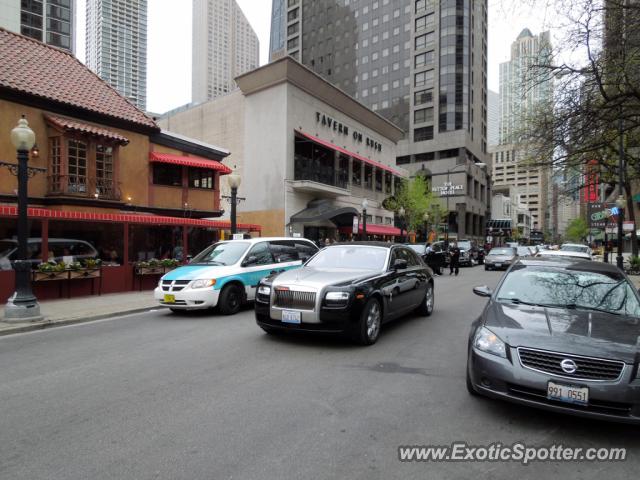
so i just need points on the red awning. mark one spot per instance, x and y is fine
(351, 154)
(374, 229)
(189, 162)
(12, 211)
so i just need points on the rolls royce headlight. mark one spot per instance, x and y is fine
(264, 290)
(337, 296)
(487, 341)
(203, 283)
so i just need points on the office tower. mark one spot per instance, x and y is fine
(117, 46)
(419, 63)
(522, 90)
(224, 47)
(493, 118)
(50, 21)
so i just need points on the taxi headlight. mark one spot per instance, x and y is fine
(203, 283)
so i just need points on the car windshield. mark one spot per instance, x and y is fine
(501, 251)
(419, 249)
(464, 245)
(6, 246)
(222, 253)
(575, 248)
(350, 257)
(570, 288)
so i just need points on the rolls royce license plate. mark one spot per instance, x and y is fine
(290, 316)
(568, 393)
(169, 298)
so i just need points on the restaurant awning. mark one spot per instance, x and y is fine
(197, 162)
(330, 145)
(318, 210)
(374, 229)
(71, 125)
(33, 213)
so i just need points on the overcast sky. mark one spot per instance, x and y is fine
(169, 42)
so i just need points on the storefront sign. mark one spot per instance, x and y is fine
(342, 129)
(447, 189)
(600, 214)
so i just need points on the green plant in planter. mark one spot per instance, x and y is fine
(142, 264)
(634, 263)
(46, 267)
(154, 262)
(92, 263)
(170, 263)
(74, 266)
(59, 267)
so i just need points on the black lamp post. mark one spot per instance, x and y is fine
(23, 305)
(426, 226)
(620, 202)
(234, 180)
(401, 214)
(365, 204)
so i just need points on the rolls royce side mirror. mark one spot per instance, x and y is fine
(400, 264)
(483, 291)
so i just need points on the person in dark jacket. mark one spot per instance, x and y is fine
(454, 265)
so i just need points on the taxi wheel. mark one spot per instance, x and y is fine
(230, 300)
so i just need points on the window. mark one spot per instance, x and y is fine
(201, 178)
(424, 59)
(284, 251)
(55, 158)
(423, 40)
(423, 115)
(424, 22)
(368, 176)
(104, 169)
(422, 78)
(356, 174)
(306, 250)
(262, 254)
(167, 174)
(292, 15)
(423, 96)
(77, 158)
(422, 134)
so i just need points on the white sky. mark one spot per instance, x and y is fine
(169, 42)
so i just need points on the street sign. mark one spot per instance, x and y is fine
(356, 225)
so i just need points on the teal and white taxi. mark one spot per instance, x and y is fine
(227, 273)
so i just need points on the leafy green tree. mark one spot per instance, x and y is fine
(416, 198)
(577, 230)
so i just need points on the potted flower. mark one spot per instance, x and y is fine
(50, 271)
(152, 267)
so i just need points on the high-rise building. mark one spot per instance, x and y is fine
(50, 21)
(224, 47)
(117, 46)
(421, 64)
(493, 118)
(523, 87)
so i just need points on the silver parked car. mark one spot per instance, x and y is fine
(500, 258)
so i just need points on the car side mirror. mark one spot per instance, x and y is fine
(250, 260)
(483, 291)
(400, 264)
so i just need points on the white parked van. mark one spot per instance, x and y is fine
(227, 273)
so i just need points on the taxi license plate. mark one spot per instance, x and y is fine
(289, 316)
(498, 265)
(169, 298)
(568, 393)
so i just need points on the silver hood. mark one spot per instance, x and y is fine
(319, 278)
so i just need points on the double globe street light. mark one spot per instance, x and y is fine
(234, 180)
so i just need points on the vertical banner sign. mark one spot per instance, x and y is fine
(355, 225)
(591, 182)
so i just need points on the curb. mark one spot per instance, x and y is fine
(72, 321)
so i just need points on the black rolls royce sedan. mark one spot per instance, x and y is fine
(561, 335)
(350, 288)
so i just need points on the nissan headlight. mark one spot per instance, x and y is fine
(264, 290)
(203, 283)
(487, 341)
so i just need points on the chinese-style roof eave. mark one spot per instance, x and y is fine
(71, 125)
(41, 213)
(197, 162)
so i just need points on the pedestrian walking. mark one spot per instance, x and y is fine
(454, 264)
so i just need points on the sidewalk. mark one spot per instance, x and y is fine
(84, 309)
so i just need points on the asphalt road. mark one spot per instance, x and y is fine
(210, 397)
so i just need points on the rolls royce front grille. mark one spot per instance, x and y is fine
(295, 300)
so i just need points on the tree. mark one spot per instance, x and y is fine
(596, 106)
(416, 198)
(577, 230)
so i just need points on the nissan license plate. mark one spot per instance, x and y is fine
(568, 393)
(169, 298)
(498, 265)
(289, 316)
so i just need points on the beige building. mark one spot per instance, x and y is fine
(224, 46)
(308, 153)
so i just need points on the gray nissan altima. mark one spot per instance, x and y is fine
(562, 335)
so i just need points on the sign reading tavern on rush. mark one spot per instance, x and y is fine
(447, 189)
(327, 121)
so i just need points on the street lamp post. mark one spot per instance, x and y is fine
(23, 305)
(365, 204)
(234, 180)
(426, 226)
(401, 214)
(620, 202)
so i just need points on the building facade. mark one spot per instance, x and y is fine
(50, 21)
(113, 185)
(116, 46)
(493, 119)
(420, 64)
(224, 46)
(310, 153)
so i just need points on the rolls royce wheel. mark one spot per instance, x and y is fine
(426, 307)
(368, 328)
(230, 300)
